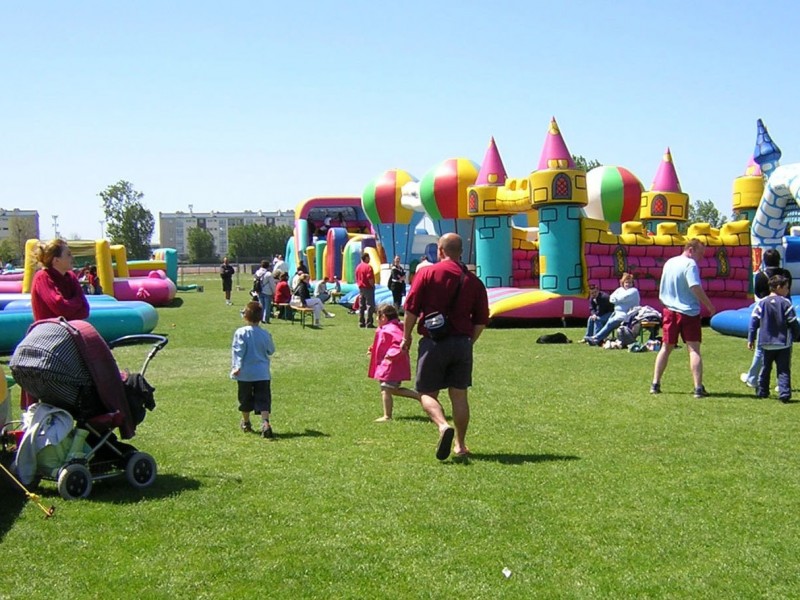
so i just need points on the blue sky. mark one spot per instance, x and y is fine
(258, 105)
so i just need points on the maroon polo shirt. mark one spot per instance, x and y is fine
(433, 290)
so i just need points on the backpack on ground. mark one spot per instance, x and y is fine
(627, 335)
(553, 338)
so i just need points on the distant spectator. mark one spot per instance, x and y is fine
(264, 285)
(301, 297)
(280, 265)
(226, 272)
(365, 279)
(283, 293)
(321, 291)
(397, 282)
(94, 281)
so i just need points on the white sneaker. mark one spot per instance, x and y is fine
(329, 315)
(743, 379)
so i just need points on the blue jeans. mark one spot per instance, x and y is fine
(266, 304)
(783, 365)
(595, 325)
(613, 322)
(755, 366)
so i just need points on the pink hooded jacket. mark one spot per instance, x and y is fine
(387, 360)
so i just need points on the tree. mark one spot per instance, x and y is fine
(704, 211)
(8, 252)
(19, 232)
(128, 222)
(201, 245)
(583, 163)
(255, 242)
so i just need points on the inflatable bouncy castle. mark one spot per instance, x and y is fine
(537, 241)
(767, 197)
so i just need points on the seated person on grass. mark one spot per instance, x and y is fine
(600, 309)
(624, 298)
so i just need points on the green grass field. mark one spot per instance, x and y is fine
(581, 483)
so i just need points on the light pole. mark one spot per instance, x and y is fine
(55, 226)
(102, 228)
(21, 243)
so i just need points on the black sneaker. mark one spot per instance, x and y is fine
(246, 426)
(700, 392)
(655, 388)
(267, 433)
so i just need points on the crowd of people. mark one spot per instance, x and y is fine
(446, 291)
(447, 307)
(772, 329)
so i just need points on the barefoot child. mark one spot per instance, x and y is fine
(250, 352)
(389, 363)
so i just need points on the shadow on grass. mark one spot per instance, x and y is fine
(14, 501)
(418, 418)
(175, 303)
(513, 459)
(311, 433)
(118, 491)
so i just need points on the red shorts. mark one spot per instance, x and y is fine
(676, 323)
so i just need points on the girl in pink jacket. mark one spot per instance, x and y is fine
(389, 363)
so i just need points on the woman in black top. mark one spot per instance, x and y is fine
(397, 282)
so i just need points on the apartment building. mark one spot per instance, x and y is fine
(173, 228)
(19, 225)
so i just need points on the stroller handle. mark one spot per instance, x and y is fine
(158, 341)
(129, 340)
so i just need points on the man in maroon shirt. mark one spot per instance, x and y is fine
(365, 280)
(449, 288)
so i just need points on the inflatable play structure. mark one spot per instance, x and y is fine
(537, 241)
(152, 281)
(112, 318)
(767, 196)
(130, 310)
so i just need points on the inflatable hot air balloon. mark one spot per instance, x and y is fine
(393, 223)
(443, 192)
(615, 194)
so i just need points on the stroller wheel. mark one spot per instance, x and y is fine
(74, 481)
(140, 470)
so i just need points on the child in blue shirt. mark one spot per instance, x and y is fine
(250, 367)
(775, 322)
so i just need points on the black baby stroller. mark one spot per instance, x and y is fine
(67, 372)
